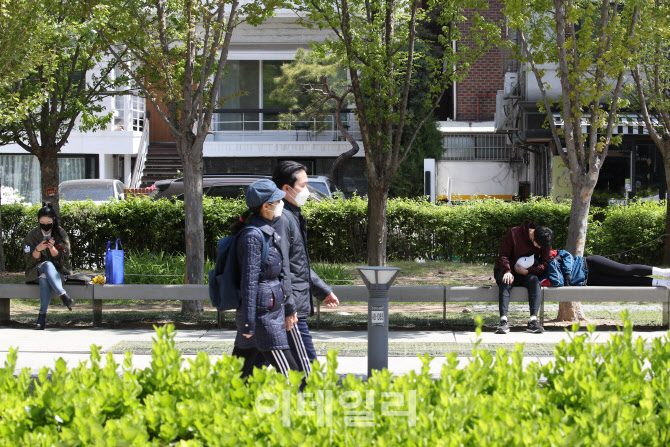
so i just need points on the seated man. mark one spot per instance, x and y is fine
(527, 239)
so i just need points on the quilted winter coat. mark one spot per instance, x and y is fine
(263, 302)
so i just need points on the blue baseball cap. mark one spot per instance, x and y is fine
(263, 191)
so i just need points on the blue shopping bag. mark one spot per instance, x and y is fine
(114, 263)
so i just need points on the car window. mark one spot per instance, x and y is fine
(316, 194)
(85, 193)
(226, 191)
(321, 187)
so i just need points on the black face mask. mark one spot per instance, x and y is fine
(46, 227)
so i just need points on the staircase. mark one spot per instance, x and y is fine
(162, 163)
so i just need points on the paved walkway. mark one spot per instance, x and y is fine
(42, 348)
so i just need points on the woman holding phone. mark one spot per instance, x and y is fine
(46, 250)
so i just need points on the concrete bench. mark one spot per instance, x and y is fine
(438, 294)
(489, 294)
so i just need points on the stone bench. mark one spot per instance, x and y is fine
(437, 294)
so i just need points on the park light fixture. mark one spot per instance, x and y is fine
(378, 280)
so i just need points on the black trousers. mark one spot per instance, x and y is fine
(605, 272)
(282, 360)
(528, 281)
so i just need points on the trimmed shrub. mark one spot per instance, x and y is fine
(626, 227)
(469, 232)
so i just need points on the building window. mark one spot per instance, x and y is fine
(22, 172)
(240, 90)
(491, 147)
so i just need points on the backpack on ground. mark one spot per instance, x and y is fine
(224, 279)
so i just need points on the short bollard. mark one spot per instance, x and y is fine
(378, 281)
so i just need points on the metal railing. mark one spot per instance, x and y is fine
(141, 155)
(476, 147)
(254, 124)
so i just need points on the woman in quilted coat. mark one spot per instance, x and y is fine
(266, 312)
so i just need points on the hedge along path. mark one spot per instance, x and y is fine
(468, 232)
(612, 393)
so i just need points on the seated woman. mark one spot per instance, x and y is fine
(566, 270)
(46, 250)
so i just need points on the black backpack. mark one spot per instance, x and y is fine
(224, 280)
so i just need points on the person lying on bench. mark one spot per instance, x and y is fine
(566, 270)
(526, 239)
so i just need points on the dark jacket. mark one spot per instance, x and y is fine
(304, 283)
(261, 312)
(61, 261)
(517, 244)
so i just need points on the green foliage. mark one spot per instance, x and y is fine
(408, 181)
(378, 43)
(332, 273)
(469, 232)
(141, 223)
(611, 393)
(25, 33)
(158, 268)
(313, 83)
(625, 227)
(589, 47)
(68, 79)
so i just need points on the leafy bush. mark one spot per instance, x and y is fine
(612, 393)
(469, 232)
(331, 273)
(625, 227)
(158, 268)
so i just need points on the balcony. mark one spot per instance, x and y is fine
(265, 125)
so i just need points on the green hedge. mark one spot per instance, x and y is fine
(600, 394)
(469, 232)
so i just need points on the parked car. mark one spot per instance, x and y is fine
(323, 184)
(98, 190)
(229, 186)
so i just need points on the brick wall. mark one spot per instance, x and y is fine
(485, 78)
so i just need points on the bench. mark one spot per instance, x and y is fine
(438, 294)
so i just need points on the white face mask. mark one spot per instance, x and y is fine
(301, 197)
(278, 208)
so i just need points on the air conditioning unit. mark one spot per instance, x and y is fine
(511, 80)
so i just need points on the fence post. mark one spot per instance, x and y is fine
(97, 309)
(444, 308)
(4, 311)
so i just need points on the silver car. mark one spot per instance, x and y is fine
(97, 190)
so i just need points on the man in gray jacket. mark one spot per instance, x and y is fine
(291, 177)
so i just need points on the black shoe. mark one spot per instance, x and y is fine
(503, 327)
(41, 322)
(67, 301)
(534, 327)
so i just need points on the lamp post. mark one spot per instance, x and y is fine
(378, 281)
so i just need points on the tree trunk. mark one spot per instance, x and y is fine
(191, 157)
(50, 173)
(666, 244)
(377, 229)
(348, 154)
(579, 222)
